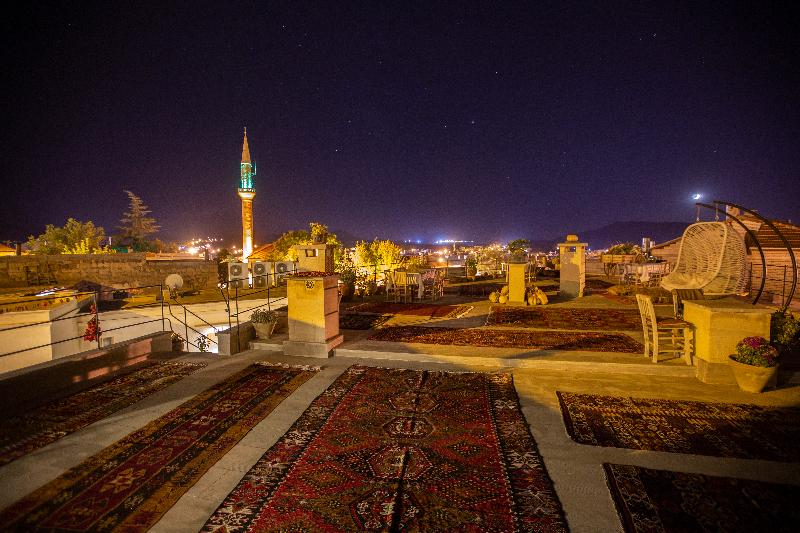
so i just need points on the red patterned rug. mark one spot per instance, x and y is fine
(565, 318)
(23, 434)
(507, 338)
(400, 450)
(718, 429)
(132, 483)
(361, 321)
(418, 309)
(659, 500)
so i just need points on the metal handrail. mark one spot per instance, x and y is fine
(187, 327)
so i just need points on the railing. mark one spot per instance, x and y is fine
(201, 345)
(777, 282)
(268, 280)
(94, 300)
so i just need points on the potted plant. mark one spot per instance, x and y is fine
(177, 342)
(755, 364)
(347, 283)
(264, 322)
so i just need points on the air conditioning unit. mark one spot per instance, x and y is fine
(262, 272)
(237, 275)
(282, 269)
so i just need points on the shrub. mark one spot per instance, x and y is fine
(785, 333)
(625, 248)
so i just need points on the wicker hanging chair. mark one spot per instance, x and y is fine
(712, 257)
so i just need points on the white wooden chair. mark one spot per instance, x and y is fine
(391, 286)
(712, 257)
(411, 286)
(664, 335)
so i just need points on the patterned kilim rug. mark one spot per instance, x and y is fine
(419, 309)
(565, 318)
(660, 500)
(23, 434)
(718, 429)
(132, 483)
(400, 450)
(361, 321)
(597, 285)
(506, 338)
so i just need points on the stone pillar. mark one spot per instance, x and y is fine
(572, 258)
(314, 257)
(516, 283)
(313, 316)
(718, 326)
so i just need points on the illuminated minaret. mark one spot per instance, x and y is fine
(247, 192)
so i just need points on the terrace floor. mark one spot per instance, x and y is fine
(576, 469)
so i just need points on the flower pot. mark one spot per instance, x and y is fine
(753, 378)
(177, 346)
(264, 329)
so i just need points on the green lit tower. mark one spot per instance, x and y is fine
(247, 192)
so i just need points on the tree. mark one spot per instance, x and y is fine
(388, 253)
(365, 254)
(283, 246)
(136, 225)
(74, 237)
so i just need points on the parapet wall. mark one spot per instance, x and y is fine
(107, 270)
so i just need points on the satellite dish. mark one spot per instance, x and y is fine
(174, 282)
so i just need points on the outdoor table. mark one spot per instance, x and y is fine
(643, 270)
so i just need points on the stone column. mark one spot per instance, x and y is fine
(313, 315)
(572, 278)
(516, 283)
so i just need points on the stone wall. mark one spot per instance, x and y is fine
(106, 270)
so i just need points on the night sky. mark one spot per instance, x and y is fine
(398, 119)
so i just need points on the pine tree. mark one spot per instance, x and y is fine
(136, 225)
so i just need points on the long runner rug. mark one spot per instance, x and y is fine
(565, 318)
(361, 321)
(411, 309)
(718, 429)
(39, 427)
(400, 450)
(132, 483)
(650, 500)
(507, 338)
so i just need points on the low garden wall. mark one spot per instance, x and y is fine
(106, 270)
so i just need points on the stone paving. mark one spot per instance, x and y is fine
(575, 469)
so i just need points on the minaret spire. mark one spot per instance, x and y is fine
(246, 192)
(245, 148)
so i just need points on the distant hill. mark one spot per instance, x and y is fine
(632, 231)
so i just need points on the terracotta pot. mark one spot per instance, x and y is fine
(264, 329)
(753, 378)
